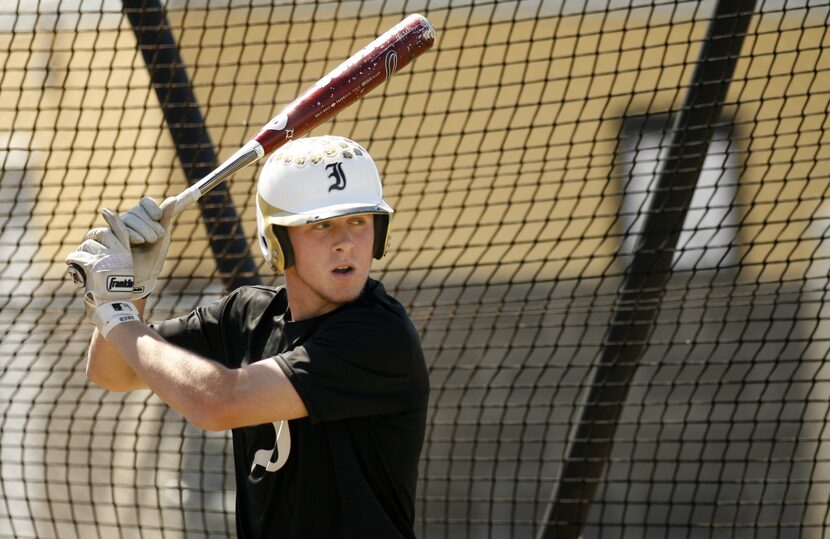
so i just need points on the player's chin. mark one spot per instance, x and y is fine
(348, 282)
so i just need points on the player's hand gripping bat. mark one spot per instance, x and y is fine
(348, 82)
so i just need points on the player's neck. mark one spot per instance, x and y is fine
(304, 301)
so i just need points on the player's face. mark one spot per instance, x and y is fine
(332, 260)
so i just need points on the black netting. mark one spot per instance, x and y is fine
(612, 232)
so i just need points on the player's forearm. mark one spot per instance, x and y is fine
(188, 383)
(107, 368)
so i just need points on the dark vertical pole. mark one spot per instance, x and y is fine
(193, 145)
(646, 277)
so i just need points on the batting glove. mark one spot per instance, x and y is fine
(149, 228)
(104, 264)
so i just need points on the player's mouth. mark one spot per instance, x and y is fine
(343, 270)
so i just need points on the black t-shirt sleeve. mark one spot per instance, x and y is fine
(198, 331)
(359, 363)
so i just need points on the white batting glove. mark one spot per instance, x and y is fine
(149, 228)
(106, 268)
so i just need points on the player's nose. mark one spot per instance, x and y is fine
(343, 239)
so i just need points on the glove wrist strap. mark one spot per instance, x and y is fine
(107, 316)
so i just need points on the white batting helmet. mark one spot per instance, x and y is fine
(314, 179)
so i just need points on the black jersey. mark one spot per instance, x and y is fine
(348, 469)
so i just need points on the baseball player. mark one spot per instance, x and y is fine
(322, 381)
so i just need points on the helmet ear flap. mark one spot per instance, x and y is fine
(277, 250)
(286, 258)
(382, 237)
(267, 253)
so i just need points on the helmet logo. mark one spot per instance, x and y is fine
(338, 176)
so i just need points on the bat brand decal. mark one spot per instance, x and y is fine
(338, 176)
(352, 61)
(119, 283)
(277, 122)
(391, 62)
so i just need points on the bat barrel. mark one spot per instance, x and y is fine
(365, 70)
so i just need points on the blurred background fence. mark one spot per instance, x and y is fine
(604, 359)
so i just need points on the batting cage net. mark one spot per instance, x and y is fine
(612, 232)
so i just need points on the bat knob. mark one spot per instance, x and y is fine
(76, 273)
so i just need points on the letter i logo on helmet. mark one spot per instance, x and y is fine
(338, 176)
(305, 181)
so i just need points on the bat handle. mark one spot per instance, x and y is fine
(247, 154)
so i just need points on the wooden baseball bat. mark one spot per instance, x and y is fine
(348, 82)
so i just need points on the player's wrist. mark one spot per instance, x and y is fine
(107, 316)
